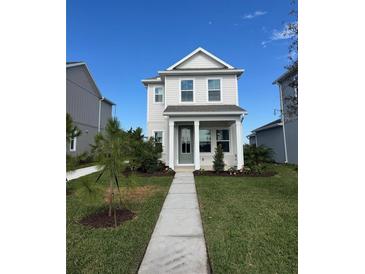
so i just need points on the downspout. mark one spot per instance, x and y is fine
(283, 121)
(99, 122)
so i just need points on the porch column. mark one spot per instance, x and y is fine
(239, 144)
(171, 144)
(196, 146)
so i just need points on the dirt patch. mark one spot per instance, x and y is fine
(238, 174)
(102, 219)
(133, 193)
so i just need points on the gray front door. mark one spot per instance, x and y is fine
(186, 145)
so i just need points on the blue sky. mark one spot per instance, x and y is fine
(125, 41)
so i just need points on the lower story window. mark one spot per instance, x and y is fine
(73, 144)
(204, 140)
(223, 139)
(158, 137)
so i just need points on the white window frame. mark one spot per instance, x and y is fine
(193, 90)
(229, 140)
(154, 95)
(163, 136)
(74, 139)
(221, 90)
(211, 141)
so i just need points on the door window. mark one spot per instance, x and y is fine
(185, 140)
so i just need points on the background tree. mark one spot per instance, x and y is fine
(72, 131)
(111, 151)
(218, 162)
(292, 32)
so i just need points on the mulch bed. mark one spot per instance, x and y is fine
(102, 220)
(227, 174)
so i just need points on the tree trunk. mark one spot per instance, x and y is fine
(115, 217)
(111, 199)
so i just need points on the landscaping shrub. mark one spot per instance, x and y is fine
(255, 156)
(144, 155)
(218, 162)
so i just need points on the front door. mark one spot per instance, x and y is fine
(186, 145)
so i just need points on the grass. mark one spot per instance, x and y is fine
(111, 250)
(251, 224)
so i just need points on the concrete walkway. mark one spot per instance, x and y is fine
(177, 244)
(81, 172)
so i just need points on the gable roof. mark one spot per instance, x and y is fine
(198, 50)
(276, 123)
(75, 64)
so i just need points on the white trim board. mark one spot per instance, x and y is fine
(200, 49)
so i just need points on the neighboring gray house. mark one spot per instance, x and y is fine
(282, 135)
(192, 107)
(88, 108)
(270, 135)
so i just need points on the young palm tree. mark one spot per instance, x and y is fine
(111, 151)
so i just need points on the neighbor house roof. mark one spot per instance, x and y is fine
(276, 123)
(286, 74)
(74, 64)
(203, 109)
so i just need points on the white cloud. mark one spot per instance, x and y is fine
(255, 14)
(283, 34)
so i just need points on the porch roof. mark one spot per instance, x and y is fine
(203, 109)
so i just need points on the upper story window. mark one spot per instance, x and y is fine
(214, 90)
(159, 95)
(187, 91)
(223, 139)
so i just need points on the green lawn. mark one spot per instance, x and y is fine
(251, 224)
(109, 250)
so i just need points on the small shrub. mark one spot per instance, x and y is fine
(218, 162)
(257, 155)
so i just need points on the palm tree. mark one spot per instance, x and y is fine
(111, 151)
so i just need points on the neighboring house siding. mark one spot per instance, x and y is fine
(82, 103)
(105, 114)
(228, 89)
(291, 132)
(252, 140)
(199, 61)
(273, 138)
(291, 121)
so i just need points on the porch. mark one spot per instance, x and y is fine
(193, 140)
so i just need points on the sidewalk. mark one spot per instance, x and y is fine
(177, 244)
(81, 172)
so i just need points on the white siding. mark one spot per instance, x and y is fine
(201, 61)
(228, 89)
(156, 121)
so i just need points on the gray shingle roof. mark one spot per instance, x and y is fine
(204, 108)
(272, 124)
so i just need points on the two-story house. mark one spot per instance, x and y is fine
(282, 135)
(192, 107)
(89, 110)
